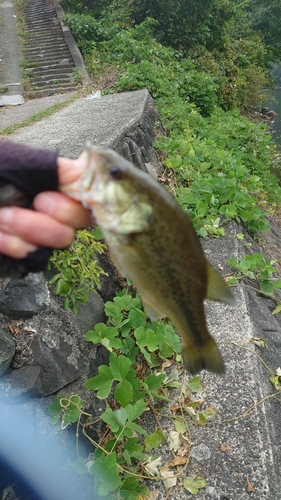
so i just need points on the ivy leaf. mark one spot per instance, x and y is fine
(180, 426)
(195, 384)
(154, 440)
(137, 317)
(153, 340)
(106, 472)
(121, 416)
(123, 392)
(136, 410)
(109, 417)
(267, 287)
(131, 490)
(119, 366)
(101, 382)
(79, 466)
(194, 483)
(136, 427)
(104, 335)
(154, 381)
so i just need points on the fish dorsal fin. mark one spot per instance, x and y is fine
(217, 287)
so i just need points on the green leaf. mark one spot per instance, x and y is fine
(195, 384)
(123, 392)
(101, 382)
(79, 466)
(154, 381)
(136, 410)
(154, 440)
(277, 309)
(109, 418)
(140, 336)
(132, 446)
(119, 366)
(194, 483)
(136, 427)
(97, 233)
(121, 416)
(131, 489)
(267, 287)
(153, 340)
(180, 426)
(166, 350)
(137, 317)
(106, 472)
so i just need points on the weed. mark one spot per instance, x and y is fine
(128, 453)
(3, 89)
(76, 76)
(256, 267)
(78, 270)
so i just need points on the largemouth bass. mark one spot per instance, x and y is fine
(152, 241)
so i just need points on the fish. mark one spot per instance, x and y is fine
(152, 241)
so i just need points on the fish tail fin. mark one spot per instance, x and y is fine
(202, 358)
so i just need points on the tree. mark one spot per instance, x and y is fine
(186, 23)
(265, 16)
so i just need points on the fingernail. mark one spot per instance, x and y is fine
(6, 216)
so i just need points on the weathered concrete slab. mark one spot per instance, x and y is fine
(103, 121)
(12, 116)
(11, 100)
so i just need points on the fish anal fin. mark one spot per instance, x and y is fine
(217, 288)
(206, 358)
(153, 313)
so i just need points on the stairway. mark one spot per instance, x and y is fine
(48, 63)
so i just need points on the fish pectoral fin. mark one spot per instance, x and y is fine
(153, 313)
(217, 287)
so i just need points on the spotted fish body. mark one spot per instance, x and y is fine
(152, 241)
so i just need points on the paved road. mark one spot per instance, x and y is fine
(10, 54)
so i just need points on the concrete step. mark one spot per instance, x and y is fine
(46, 51)
(50, 69)
(51, 91)
(56, 49)
(41, 81)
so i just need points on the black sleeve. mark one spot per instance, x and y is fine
(24, 173)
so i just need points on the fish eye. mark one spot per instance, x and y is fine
(115, 172)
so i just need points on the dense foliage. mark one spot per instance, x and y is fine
(222, 162)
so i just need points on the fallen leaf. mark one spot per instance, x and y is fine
(180, 426)
(177, 461)
(166, 364)
(250, 486)
(184, 449)
(153, 495)
(277, 309)
(168, 478)
(194, 483)
(225, 447)
(260, 342)
(174, 440)
(151, 466)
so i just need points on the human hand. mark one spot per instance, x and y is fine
(53, 221)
